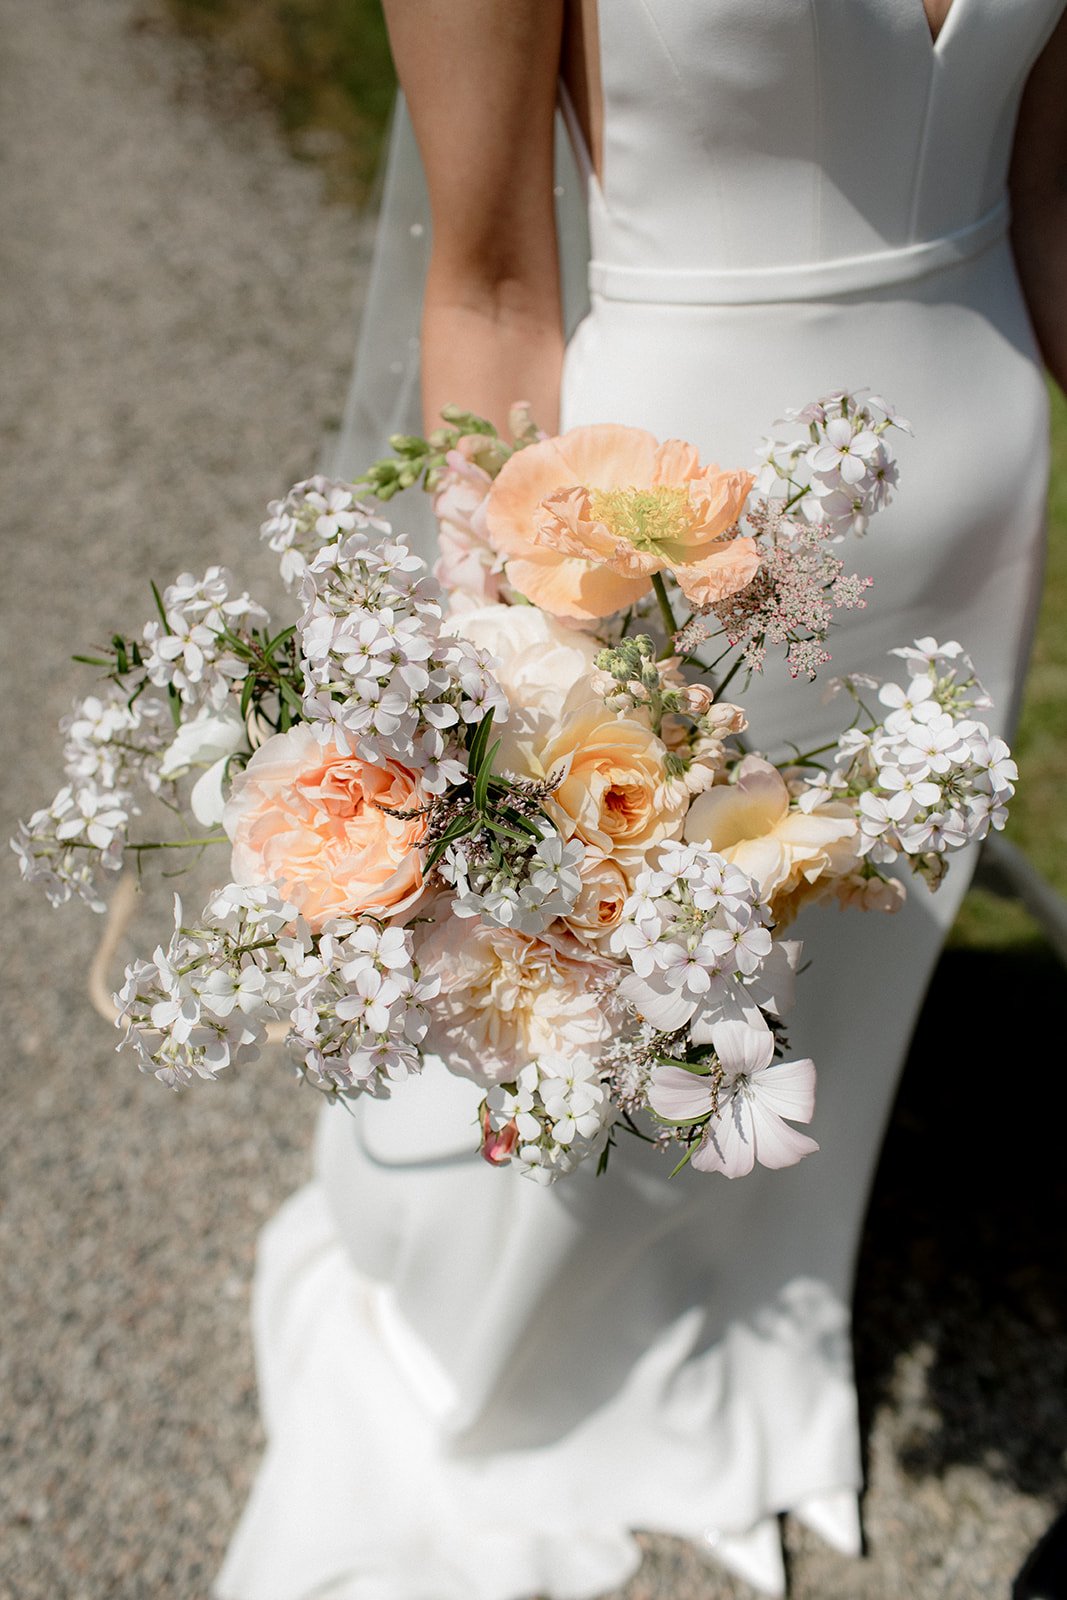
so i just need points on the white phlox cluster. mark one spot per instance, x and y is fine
(695, 934)
(314, 513)
(555, 1116)
(72, 846)
(185, 650)
(525, 890)
(380, 676)
(842, 473)
(202, 1004)
(358, 1013)
(929, 778)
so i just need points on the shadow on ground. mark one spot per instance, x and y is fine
(963, 1257)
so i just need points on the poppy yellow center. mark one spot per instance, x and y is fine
(646, 517)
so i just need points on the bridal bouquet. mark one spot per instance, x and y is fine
(506, 813)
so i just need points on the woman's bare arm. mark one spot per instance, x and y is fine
(1039, 200)
(480, 80)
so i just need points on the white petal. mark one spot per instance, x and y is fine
(664, 1009)
(787, 1088)
(777, 1144)
(728, 1145)
(742, 1049)
(678, 1095)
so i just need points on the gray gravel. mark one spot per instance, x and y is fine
(177, 323)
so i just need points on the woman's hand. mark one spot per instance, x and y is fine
(480, 80)
(1039, 200)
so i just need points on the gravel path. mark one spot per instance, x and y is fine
(176, 327)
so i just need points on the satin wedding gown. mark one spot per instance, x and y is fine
(475, 1388)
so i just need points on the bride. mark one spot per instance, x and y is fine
(475, 1388)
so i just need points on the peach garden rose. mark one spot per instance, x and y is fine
(615, 794)
(311, 821)
(585, 520)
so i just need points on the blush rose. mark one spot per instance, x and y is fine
(318, 825)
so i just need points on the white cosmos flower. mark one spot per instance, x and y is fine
(758, 1101)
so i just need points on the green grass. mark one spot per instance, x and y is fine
(326, 67)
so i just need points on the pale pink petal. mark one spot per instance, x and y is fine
(679, 1096)
(776, 1143)
(728, 1145)
(741, 1049)
(787, 1088)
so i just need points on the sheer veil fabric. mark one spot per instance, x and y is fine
(473, 1388)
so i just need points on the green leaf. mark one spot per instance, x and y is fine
(290, 696)
(481, 782)
(684, 1162)
(515, 819)
(159, 606)
(279, 638)
(91, 661)
(505, 832)
(477, 745)
(459, 829)
(248, 689)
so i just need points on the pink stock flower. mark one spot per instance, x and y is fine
(467, 562)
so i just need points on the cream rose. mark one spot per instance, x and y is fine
(506, 997)
(540, 660)
(615, 794)
(598, 908)
(311, 821)
(793, 855)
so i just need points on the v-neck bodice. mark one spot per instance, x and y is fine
(740, 135)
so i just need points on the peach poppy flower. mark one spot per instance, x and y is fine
(585, 520)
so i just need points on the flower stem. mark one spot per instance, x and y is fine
(719, 687)
(660, 589)
(180, 844)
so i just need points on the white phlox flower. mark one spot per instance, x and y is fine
(202, 1003)
(184, 651)
(111, 748)
(526, 888)
(930, 778)
(842, 472)
(695, 936)
(552, 1118)
(359, 1015)
(314, 513)
(380, 676)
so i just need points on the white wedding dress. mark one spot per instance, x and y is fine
(475, 1388)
